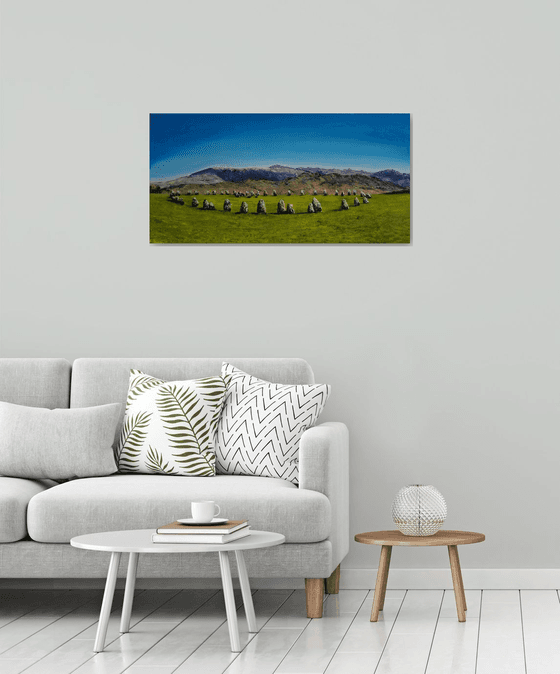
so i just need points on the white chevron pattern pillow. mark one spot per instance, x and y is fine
(262, 423)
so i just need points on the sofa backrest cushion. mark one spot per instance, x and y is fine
(98, 381)
(35, 382)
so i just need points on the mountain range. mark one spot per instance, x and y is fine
(277, 173)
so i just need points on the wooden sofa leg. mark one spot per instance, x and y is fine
(333, 581)
(314, 594)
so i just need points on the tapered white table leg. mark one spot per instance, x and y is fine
(246, 591)
(129, 592)
(231, 612)
(107, 602)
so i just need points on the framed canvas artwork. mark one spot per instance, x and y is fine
(280, 178)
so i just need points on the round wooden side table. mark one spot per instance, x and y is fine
(388, 539)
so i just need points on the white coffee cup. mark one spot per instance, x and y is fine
(204, 511)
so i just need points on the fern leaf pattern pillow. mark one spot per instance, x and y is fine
(262, 423)
(169, 427)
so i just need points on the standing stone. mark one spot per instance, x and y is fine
(196, 192)
(301, 193)
(324, 193)
(349, 193)
(274, 193)
(227, 205)
(227, 192)
(207, 192)
(194, 203)
(189, 193)
(289, 194)
(211, 207)
(310, 209)
(265, 193)
(315, 192)
(356, 201)
(205, 205)
(362, 194)
(365, 200)
(368, 195)
(336, 193)
(261, 207)
(317, 205)
(344, 205)
(281, 208)
(244, 207)
(354, 192)
(291, 210)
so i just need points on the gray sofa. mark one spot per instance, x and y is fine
(39, 517)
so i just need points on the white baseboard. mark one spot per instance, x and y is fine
(146, 583)
(440, 579)
(350, 579)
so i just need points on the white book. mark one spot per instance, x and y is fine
(180, 529)
(201, 538)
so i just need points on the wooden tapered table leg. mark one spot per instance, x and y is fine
(462, 584)
(381, 582)
(457, 582)
(386, 577)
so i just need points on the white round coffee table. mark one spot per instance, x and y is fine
(140, 541)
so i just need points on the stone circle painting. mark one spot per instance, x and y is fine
(280, 178)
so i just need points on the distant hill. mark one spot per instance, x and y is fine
(395, 177)
(388, 175)
(237, 175)
(278, 173)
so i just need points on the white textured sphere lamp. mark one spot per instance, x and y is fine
(419, 510)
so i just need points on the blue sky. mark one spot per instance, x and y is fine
(184, 143)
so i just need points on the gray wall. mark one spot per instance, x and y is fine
(443, 355)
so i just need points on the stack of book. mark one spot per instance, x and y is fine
(230, 531)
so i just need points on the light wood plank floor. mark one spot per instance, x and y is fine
(184, 632)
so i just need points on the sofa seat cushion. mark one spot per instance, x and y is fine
(15, 494)
(119, 502)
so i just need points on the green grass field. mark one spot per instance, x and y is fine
(386, 219)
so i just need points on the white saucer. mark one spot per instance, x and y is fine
(214, 522)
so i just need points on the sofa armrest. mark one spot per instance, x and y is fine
(324, 467)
